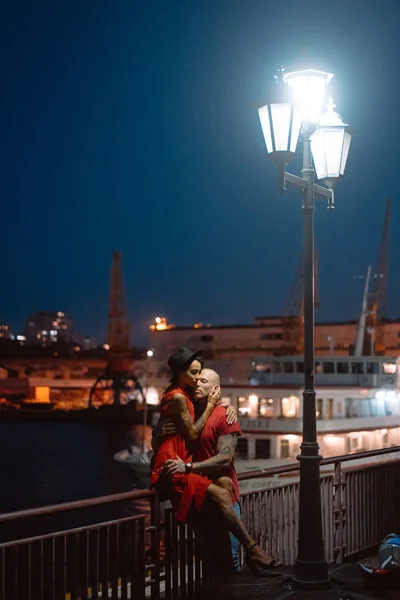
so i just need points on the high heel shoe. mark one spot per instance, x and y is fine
(256, 561)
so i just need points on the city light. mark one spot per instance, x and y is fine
(150, 353)
(160, 324)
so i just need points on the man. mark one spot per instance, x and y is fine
(214, 450)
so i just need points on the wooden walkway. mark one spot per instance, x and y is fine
(347, 583)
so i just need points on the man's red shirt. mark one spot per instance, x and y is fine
(206, 444)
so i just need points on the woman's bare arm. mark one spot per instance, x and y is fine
(179, 409)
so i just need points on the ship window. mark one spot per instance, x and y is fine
(266, 407)
(270, 336)
(263, 367)
(354, 444)
(343, 367)
(263, 448)
(328, 367)
(243, 406)
(389, 368)
(318, 411)
(329, 408)
(300, 367)
(372, 368)
(288, 367)
(241, 448)
(276, 367)
(357, 367)
(285, 450)
(288, 406)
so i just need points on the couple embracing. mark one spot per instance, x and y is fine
(194, 450)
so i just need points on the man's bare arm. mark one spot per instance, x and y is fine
(226, 447)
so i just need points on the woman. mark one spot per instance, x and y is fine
(190, 489)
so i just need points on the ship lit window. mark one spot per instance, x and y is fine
(389, 368)
(243, 407)
(266, 407)
(288, 406)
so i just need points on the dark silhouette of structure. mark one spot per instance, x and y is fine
(119, 374)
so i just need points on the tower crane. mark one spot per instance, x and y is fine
(377, 301)
(293, 319)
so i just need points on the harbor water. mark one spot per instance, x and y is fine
(45, 463)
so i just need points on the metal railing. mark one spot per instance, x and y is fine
(142, 555)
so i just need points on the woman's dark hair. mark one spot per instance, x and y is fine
(176, 376)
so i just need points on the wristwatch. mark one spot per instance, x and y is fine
(188, 467)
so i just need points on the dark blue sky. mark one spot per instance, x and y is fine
(132, 125)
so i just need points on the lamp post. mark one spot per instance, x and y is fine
(296, 112)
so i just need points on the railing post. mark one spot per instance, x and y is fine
(338, 512)
(155, 545)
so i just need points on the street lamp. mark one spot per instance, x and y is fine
(295, 112)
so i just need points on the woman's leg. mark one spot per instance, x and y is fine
(225, 483)
(221, 498)
(255, 556)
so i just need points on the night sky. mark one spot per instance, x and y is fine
(132, 125)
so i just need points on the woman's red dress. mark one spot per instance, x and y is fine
(186, 489)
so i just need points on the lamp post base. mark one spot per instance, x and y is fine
(311, 575)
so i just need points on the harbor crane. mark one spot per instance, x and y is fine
(119, 376)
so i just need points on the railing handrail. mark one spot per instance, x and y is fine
(293, 467)
(139, 494)
(76, 504)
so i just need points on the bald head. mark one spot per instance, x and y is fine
(206, 381)
(211, 375)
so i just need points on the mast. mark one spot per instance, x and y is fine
(358, 350)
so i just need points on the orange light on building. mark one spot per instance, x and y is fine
(160, 324)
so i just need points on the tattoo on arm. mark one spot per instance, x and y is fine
(226, 450)
(180, 409)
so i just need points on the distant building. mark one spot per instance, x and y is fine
(6, 333)
(265, 336)
(48, 327)
(85, 342)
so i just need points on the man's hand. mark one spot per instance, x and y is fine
(165, 428)
(214, 396)
(172, 467)
(231, 415)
